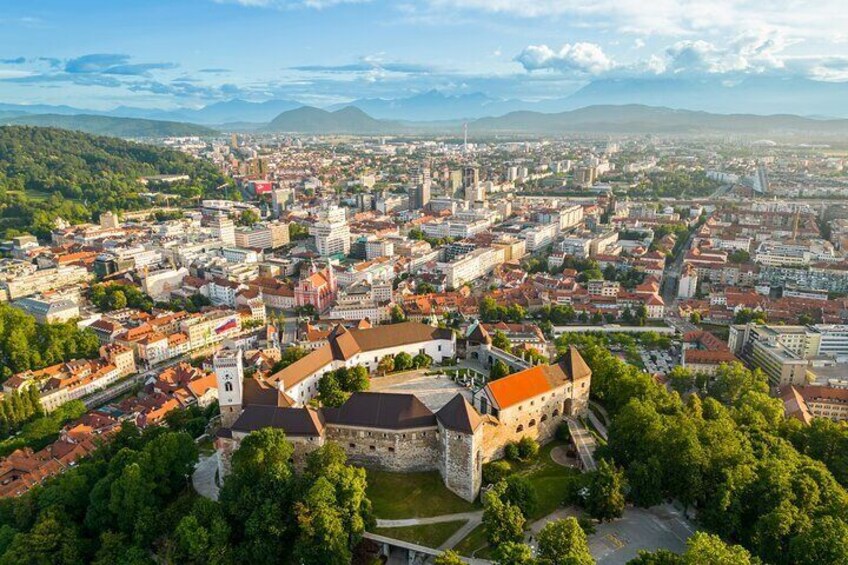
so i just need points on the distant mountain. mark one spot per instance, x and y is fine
(107, 125)
(752, 95)
(229, 111)
(635, 119)
(348, 120)
(605, 119)
(434, 105)
(43, 109)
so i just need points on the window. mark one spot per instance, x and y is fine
(351, 445)
(532, 423)
(543, 418)
(372, 448)
(391, 449)
(556, 412)
(440, 348)
(519, 429)
(228, 386)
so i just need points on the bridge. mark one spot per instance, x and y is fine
(585, 444)
(394, 550)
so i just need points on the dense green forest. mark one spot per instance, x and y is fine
(26, 344)
(752, 476)
(47, 173)
(132, 503)
(109, 125)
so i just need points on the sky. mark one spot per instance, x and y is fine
(100, 54)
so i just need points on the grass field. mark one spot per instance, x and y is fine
(428, 535)
(553, 483)
(412, 495)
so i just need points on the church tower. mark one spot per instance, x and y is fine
(230, 374)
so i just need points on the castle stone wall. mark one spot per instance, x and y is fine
(390, 450)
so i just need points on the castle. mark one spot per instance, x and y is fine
(397, 431)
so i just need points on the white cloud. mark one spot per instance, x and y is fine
(801, 18)
(281, 4)
(578, 58)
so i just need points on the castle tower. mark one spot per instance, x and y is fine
(461, 447)
(230, 374)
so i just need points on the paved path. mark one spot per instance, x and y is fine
(203, 477)
(584, 442)
(602, 411)
(602, 429)
(478, 515)
(461, 533)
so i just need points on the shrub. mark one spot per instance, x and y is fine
(511, 451)
(521, 492)
(562, 432)
(495, 471)
(527, 448)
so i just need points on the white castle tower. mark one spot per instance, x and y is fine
(230, 374)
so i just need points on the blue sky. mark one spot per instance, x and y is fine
(170, 53)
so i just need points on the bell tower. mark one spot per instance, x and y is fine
(229, 372)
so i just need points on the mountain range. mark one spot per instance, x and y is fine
(752, 95)
(603, 119)
(107, 125)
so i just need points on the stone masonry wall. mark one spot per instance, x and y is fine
(390, 450)
(461, 464)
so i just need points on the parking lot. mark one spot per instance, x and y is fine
(659, 360)
(660, 527)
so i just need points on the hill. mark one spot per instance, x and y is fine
(107, 125)
(646, 119)
(348, 120)
(47, 173)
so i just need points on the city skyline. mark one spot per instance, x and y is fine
(323, 52)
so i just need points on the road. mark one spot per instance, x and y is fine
(672, 272)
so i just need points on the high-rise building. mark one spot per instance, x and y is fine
(470, 177)
(281, 198)
(331, 233)
(223, 229)
(419, 192)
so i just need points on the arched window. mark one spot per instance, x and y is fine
(519, 429)
(556, 412)
(543, 418)
(532, 423)
(228, 386)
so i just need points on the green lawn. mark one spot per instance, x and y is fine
(412, 495)
(475, 540)
(552, 482)
(428, 535)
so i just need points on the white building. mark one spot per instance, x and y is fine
(331, 233)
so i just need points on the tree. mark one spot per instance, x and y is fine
(695, 318)
(825, 542)
(563, 542)
(520, 492)
(248, 218)
(512, 553)
(397, 314)
(353, 379)
(322, 538)
(403, 361)
(732, 380)
(330, 392)
(708, 549)
(386, 365)
(681, 379)
(528, 448)
(500, 341)
(289, 356)
(422, 361)
(499, 370)
(503, 521)
(515, 313)
(606, 492)
(449, 557)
